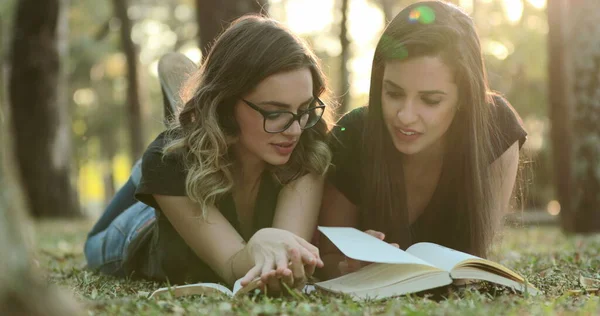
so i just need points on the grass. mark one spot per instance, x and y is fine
(550, 260)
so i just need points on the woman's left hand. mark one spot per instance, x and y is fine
(295, 277)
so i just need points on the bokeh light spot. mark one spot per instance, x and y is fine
(553, 208)
(422, 14)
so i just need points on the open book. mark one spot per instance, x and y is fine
(205, 289)
(214, 288)
(394, 272)
(422, 266)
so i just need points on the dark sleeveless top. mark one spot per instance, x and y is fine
(166, 255)
(346, 174)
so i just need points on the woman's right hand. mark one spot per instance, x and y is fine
(280, 255)
(349, 265)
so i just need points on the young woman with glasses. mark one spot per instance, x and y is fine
(232, 189)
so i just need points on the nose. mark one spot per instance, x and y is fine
(407, 113)
(293, 130)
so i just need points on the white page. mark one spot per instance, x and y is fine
(237, 286)
(442, 257)
(361, 246)
(189, 289)
(239, 290)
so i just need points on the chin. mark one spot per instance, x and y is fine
(407, 150)
(276, 160)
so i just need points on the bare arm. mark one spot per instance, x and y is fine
(218, 244)
(213, 240)
(336, 210)
(297, 211)
(504, 174)
(298, 206)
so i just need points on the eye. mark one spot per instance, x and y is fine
(429, 101)
(394, 94)
(273, 116)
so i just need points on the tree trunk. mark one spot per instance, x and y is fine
(134, 106)
(344, 89)
(109, 150)
(214, 16)
(387, 8)
(586, 166)
(21, 292)
(3, 68)
(62, 44)
(42, 142)
(560, 113)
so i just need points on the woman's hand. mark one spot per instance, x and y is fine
(280, 256)
(349, 265)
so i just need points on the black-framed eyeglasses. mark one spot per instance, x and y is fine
(279, 121)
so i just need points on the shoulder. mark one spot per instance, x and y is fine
(346, 143)
(154, 157)
(504, 112)
(162, 174)
(348, 129)
(354, 119)
(507, 124)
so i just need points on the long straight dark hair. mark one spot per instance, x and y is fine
(434, 29)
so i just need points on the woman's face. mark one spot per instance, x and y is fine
(419, 101)
(288, 91)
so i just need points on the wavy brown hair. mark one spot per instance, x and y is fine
(464, 218)
(250, 50)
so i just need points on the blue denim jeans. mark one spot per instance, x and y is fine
(114, 239)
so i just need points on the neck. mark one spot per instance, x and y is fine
(427, 159)
(247, 168)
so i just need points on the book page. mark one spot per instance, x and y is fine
(192, 289)
(361, 246)
(239, 290)
(379, 275)
(439, 256)
(473, 273)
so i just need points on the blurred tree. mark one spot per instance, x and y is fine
(42, 142)
(6, 8)
(584, 210)
(3, 62)
(22, 292)
(214, 16)
(560, 108)
(134, 106)
(387, 7)
(344, 88)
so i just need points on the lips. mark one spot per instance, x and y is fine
(284, 148)
(285, 144)
(406, 134)
(407, 131)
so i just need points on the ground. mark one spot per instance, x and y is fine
(550, 260)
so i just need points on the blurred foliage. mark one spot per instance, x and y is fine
(514, 43)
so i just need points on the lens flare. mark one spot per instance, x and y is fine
(393, 49)
(422, 14)
(414, 16)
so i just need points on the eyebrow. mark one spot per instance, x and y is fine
(285, 105)
(391, 83)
